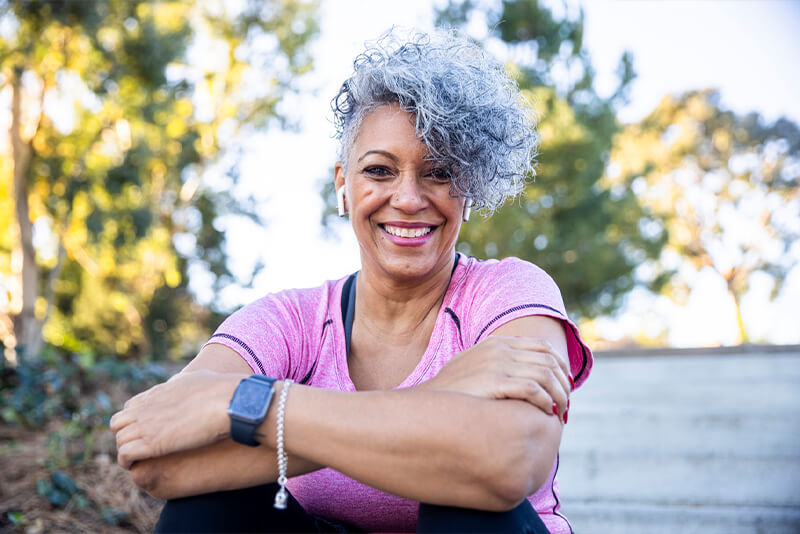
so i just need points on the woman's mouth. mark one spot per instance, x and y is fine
(399, 231)
(412, 236)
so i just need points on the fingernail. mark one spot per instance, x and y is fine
(571, 383)
(566, 415)
(555, 409)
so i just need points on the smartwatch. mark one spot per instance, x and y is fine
(249, 406)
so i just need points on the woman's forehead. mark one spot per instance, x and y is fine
(391, 129)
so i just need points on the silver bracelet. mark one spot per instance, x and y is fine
(283, 458)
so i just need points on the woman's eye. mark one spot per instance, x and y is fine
(377, 171)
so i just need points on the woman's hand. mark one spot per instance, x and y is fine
(502, 367)
(186, 412)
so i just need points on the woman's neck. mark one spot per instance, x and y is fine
(398, 307)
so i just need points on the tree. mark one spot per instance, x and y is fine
(727, 186)
(589, 237)
(113, 130)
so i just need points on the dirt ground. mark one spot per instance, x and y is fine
(101, 497)
(106, 499)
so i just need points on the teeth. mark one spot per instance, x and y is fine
(407, 232)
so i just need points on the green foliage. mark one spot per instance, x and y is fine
(16, 518)
(58, 489)
(329, 211)
(68, 387)
(122, 129)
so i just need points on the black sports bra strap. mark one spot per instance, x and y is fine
(348, 308)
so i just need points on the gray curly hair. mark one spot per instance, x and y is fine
(468, 111)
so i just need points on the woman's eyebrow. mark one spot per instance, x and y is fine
(381, 152)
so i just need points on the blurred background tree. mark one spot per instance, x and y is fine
(727, 186)
(589, 237)
(120, 110)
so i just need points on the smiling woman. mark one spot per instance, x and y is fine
(430, 389)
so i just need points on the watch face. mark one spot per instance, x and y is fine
(251, 400)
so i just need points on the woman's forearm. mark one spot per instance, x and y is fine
(429, 446)
(221, 466)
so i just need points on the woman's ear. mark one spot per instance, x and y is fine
(338, 174)
(338, 182)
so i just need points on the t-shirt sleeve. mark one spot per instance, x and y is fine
(513, 288)
(268, 335)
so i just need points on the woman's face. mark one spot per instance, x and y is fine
(399, 203)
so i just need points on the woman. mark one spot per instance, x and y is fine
(427, 391)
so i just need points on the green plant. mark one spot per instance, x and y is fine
(69, 387)
(59, 488)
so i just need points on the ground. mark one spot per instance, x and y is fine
(105, 488)
(62, 477)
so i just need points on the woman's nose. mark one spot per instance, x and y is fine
(408, 195)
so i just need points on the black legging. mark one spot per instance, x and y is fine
(250, 510)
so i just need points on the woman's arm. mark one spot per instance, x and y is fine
(440, 447)
(221, 466)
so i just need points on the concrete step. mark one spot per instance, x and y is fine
(686, 443)
(614, 517)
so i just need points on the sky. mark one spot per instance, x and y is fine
(749, 50)
(745, 49)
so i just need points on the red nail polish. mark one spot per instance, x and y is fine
(571, 383)
(566, 414)
(567, 404)
(555, 409)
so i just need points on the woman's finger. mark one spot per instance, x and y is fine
(127, 434)
(133, 451)
(539, 345)
(530, 392)
(546, 360)
(546, 379)
(120, 420)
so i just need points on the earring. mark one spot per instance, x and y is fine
(467, 210)
(340, 201)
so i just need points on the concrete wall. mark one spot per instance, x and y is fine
(687, 442)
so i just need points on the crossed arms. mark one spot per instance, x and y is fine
(481, 434)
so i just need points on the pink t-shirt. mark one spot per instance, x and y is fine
(299, 334)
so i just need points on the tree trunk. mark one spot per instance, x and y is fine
(27, 329)
(743, 337)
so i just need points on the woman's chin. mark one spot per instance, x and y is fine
(409, 263)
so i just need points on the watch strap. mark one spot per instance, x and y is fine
(244, 431)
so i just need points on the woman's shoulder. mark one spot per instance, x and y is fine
(508, 283)
(508, 270)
